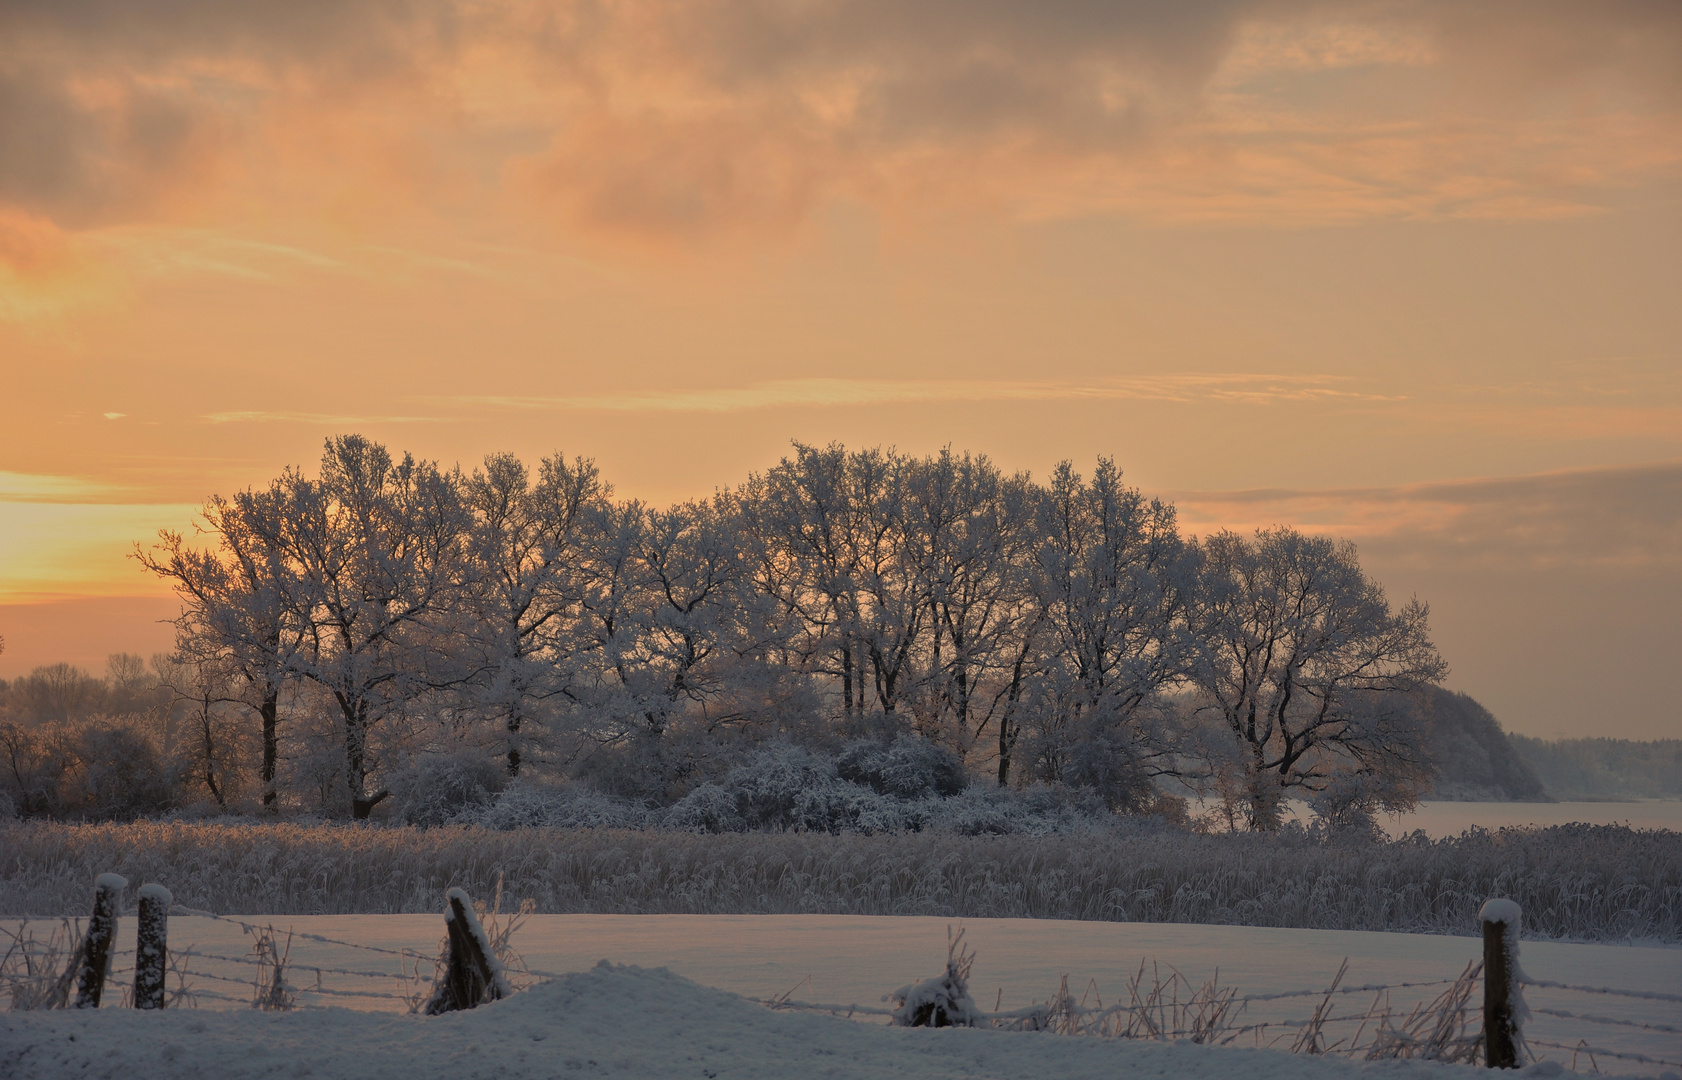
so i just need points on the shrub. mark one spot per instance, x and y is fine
(907, 768)
(440, 788)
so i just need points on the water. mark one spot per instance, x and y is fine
(1440, 819)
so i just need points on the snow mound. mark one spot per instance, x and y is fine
(610, 1020)
(1500, 910)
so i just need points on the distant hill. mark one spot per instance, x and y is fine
(1475, 759)
(1605, 768)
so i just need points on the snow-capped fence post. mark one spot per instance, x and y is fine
(95, 960)
(472, 973)
(1500, 973)
(151, 950)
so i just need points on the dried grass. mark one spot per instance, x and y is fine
(1594, 883)
(38, 974)
(1172, 1009)
(270, 991)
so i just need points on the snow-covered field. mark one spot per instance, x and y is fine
(857, 959)
(1440, 819)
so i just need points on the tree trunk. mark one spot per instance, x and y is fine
(847, 678)
(1265, 796)
(210, 757)
(270, 711)
(361, 808)
(356, 757)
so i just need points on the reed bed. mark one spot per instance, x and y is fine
(1578, 882)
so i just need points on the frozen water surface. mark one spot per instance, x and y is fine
(1440, 819)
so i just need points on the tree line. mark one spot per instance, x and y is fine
(1059, 632)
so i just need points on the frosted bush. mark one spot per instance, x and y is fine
(439, 788)
(568, 806)
(908, 768)
(1107, 769)
(1035, 811)
(784, 787)
(943, 1001)
(709, 808)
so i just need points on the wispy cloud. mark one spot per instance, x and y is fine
(34, 487)
(1626, 518)
(1252, 388)
(256, 416)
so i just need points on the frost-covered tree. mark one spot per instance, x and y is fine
(971, 532)
(800, 521)
(525, 544)
(418, 622)
(244, 608)
(1303, 660)
(1110, 577)
(378, 548)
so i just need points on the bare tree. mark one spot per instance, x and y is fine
(801, 520)
(1302, 659)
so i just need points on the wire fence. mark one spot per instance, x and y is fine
(1169, 1009)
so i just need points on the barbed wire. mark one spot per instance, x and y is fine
(302, 989)
(1066, 1008)
(849, 1010)
(1369, 988)
(255, 928)
(1598, 1051)
(1639, 995)
(1608, 1020)
(255, 962)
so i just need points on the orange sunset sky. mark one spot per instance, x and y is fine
(1406, 272)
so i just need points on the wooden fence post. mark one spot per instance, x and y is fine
(95, 960)
(1500, 944)
(471, 974)
(151, 949)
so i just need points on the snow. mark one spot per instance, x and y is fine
(115, 882)
(153, 891)
(1500, 910)
(943, 1001)
(610, 1020)
(859, 959)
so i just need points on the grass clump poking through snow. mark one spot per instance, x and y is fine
(36, 973)
(1593, 883)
